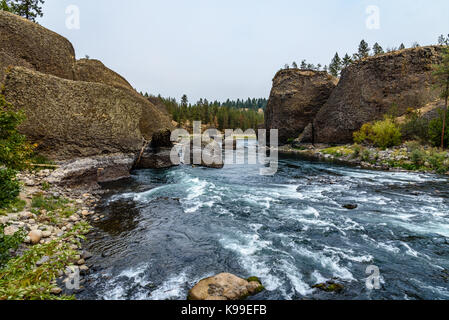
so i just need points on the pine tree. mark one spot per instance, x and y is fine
(364, 50)
(443, 41)
(347, 61)
(416, 45)
(377, 49)
(184, 101)
(335, 65)
(441, 75)
(402, 46)
(30, 9)
(4, 6)
(303, 64)
(294, 65)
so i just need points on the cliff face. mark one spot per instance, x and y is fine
(25, 43)
(374, 86)
(73, 108)
(295, 99)
(74, 119)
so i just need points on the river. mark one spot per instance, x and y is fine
(164, 230)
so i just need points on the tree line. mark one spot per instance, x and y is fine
(231, 114)
(339, 63)
(29, 9)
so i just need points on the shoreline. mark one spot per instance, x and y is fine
(53, 221)
(397, 159)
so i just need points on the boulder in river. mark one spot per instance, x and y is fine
(225, 286)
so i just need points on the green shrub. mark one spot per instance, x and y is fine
(364, 134)
(14, 152)
(415, 127)
(8, 243)
(418, 157)
(436, 128)
(9, 187)
(14, 149)
(382, 134)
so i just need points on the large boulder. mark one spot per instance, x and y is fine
(95, 71)
(374, 86)
(225, 286)
(25, 43)
(81, 119)
(296, 97)
(89, 172)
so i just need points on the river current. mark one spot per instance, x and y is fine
(164, 230)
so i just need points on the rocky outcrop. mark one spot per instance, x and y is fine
(372, 87)
(225, 286)
(89, 172)
(95, 71)
(295, 99)
(156, 155)
(25, 43)
(81, 119)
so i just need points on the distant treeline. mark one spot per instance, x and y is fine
(338, 63)
(240, 114)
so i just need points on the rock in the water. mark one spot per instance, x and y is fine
(224, 286)
(35, 236)
(155, 159)
(295, 99)
(350, 206)
(329, 286)
(372, 87)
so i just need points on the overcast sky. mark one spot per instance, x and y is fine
(231, 49)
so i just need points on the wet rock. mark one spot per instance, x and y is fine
(329, 286)
(224, 286)
(86, 255)
(350, 206)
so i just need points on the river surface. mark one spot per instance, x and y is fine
(164, 230)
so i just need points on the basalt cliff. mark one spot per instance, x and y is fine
(367, 90)
(295, 99)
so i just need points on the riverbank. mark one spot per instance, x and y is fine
(410, 157)
(46, 228)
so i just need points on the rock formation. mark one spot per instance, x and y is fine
(73, 108)
(88, 172)
(225, 286)
(25, 43)
(370, 88)
(95, 71)
(295, 99)
(80, 119)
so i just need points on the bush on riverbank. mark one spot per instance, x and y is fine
(14, 152)
(383, 134)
